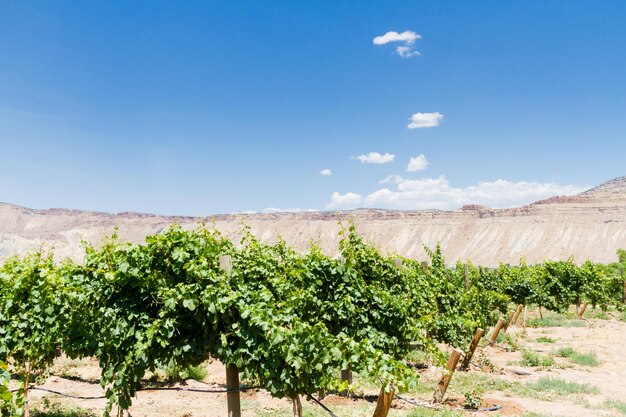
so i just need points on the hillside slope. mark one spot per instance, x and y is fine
(591, 225)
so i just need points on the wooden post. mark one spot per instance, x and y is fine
(468, 355)
(425, 266)
(517, 313)
(442, 387)
(297, 407)
(384, 402)
(524, 318)
(624, 285)
(466, 273)
(26, 387)
(496, 331)
(232, 397)
(346, 376)
(232, 373)
(508, 320)
(582, 310)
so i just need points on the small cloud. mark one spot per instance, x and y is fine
(396, 179)
(407, 52)
(271, 210)
(344, 201)
(407, 37)
(376, 158)
(326, 172)
(420, 120)
(419, 163)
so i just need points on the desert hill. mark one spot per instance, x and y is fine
(591, 225)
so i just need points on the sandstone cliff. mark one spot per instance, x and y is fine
(591, 225)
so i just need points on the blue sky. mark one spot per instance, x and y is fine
(196, 108)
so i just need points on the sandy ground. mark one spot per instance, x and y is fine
(607, 338)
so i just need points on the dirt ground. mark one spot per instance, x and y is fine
(605, 337)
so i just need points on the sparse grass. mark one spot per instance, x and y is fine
(419, 357)
(58, 410)
(424, 412)
(561, 387)
(534, 359)
(565, 352)
(555, 321)
(512, 343)
(616, 405)
(585, 359)
(546, 339)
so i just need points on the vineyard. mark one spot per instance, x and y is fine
(292, 324)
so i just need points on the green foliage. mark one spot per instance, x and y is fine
(561, 387)
(585, 359)
(472, 400)
(288, 321)
(534, 359)
(545, 339)
(178, 373)
(58, 410)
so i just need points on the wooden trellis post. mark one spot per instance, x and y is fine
(297, 407)
(496, 331)
(624, 285)
(384, 401)
(442, 387)
(508, 320)
(468, 356)
(517, 313)
(232, 373)
(466, 274)
(582, 310)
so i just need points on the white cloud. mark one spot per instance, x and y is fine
(407, 37)
(271, 210)
(419, 163)
(344, 201)
(326, 172)
(396, 179)
(420, 120)
(407, 51)
(376, 158)
(437, 193)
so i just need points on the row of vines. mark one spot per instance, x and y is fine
(289, 322)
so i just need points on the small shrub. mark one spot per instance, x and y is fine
(565, 352)
(512, 343)
(616, 405)
(585, 359)
(472, 400)
(546, 339)
(177, 373)
(534, 359)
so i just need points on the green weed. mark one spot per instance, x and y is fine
(555, 321)
(616, 405)
(546, 339)
(534, 359)
(561, 387)
(585, 359)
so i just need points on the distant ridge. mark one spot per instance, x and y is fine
(591, 225)
(614, 186)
